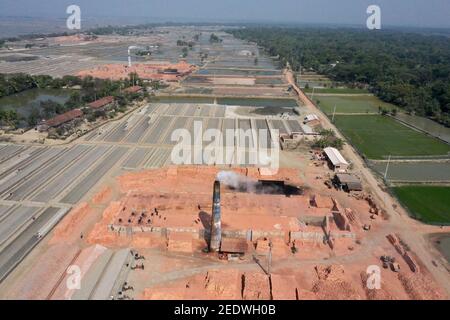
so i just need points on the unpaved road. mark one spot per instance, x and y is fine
(411, 231)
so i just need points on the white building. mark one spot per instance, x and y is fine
(311, 117)
(337, 160)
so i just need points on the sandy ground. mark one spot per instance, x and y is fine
(144, 71)
(413, 232)
(177, 268)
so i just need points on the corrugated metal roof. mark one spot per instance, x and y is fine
(354, 186)
(133, 89)
(311, 117)
(346, 177)
(307, 129)
(351, 181)
(335, 156)
(65, 117)
(101, 102)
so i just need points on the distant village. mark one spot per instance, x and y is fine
(64, 124)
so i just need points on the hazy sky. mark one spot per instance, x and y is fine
(420, 13)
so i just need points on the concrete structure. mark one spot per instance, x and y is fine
(336, 159)
(216, 225)
(245, 53)
(230, 245)
(293, 140)
(307, 130)
(108, 285)
(348, 182)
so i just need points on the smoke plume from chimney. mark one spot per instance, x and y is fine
(243, 183)
(236, 181)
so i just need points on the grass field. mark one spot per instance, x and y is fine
(430, 204)
(351, 104)
(378, 136)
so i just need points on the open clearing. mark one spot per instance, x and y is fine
(378, 136)
(430, 204)
(351, 104)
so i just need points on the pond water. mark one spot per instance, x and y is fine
(264, 111)
(25, 101)
(251, 102)
(442, 243)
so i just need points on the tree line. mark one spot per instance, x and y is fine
(410, 70)
(89, 89)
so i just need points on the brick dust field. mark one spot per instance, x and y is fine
(137, 226)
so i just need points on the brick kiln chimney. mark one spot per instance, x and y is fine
(216, 225)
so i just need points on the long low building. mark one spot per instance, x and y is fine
(336, 159)
(61, 119)
(102, 103)
(133, 89)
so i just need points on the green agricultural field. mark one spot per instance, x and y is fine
(351, 104)
(430, 204)
(378, 136)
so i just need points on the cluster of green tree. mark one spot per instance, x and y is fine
(9, 117)
(11, 84)
(15, 83)
(129, 29)
(184, 52)
(90, 89)
(109, 30)
(184, 43)
(187, 45)
(328, 139)
(35, 36)
(49, 108)
(385, 111)
(410, 70)
(214, 38)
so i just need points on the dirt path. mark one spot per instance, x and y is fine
(411, 231)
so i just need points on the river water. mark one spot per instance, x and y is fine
(442, 243)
